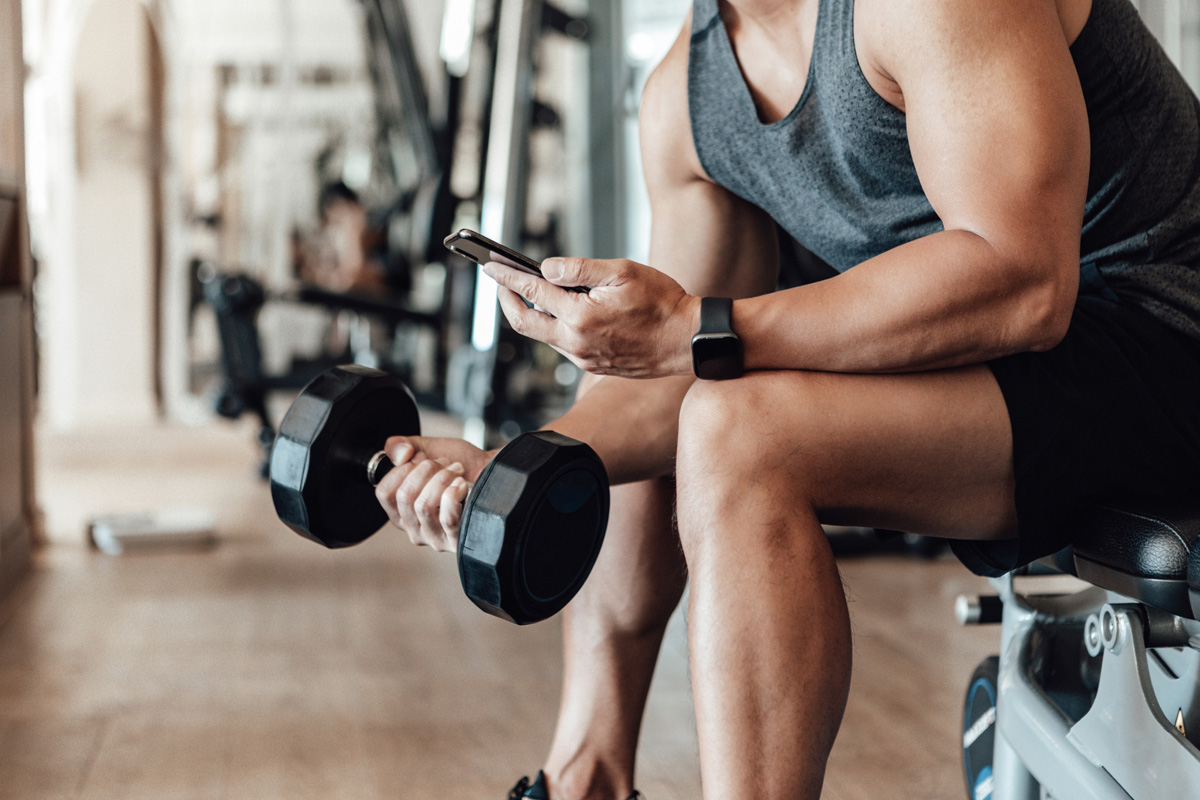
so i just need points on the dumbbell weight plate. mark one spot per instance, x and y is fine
(319, 460)
(533, 526)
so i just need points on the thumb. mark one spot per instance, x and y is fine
(579, 271)
(401, 449)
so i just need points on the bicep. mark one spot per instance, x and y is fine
(713, 243)
(997, 123)
(708, 239)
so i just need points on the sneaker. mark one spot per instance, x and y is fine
(524, 790)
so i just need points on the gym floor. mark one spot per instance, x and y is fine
(266, 667)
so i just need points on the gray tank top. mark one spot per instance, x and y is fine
(836, 173)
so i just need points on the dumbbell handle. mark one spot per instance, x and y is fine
(378, 466)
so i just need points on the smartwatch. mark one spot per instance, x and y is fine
(716, 349)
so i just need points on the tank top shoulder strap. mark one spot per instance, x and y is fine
(704, 14)
(833, 43)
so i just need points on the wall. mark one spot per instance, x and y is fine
(10, 89)
(17, 506)
(115, 214)
(80, 170)
(88, 123)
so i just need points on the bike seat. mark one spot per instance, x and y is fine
(1148, 551)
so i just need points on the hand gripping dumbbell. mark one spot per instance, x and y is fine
(531, 526)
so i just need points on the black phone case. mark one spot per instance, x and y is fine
(480, 249)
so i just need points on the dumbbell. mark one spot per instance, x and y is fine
(532, 525)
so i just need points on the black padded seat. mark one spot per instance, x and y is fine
(1143, 551)
(1063, 561)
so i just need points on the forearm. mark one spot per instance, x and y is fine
(631, 424)
(944, 300)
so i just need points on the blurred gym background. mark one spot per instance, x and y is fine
(203, 204)
(225, 198)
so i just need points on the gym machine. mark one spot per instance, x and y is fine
(1095, 694)
(477, 380)
(417, 141)
(520, 26)
(425, 207)
(236, 301)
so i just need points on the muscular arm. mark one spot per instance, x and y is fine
(710, 241)
(998, 132)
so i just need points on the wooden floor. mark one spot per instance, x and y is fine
(270, 668)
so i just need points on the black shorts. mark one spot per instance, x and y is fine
(1111, 413)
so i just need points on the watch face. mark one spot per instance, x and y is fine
(717, 356)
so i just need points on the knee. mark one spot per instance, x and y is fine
(719, 423)
(729, 426)
(734, 444)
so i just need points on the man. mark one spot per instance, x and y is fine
(1008, 191)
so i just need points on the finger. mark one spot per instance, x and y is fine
(537, 291)
(584, 271)
(526, 321)
(385, 494)
(452, 509)
(400, 449)
(429, 504)
(385, 491)
(406, 498)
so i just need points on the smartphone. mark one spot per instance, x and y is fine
(480, 249)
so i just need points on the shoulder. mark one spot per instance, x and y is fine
(895, 22)
(665, 126)
(901, 40)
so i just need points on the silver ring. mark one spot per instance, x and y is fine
(373, 465)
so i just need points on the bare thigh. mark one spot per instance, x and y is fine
(927, 453)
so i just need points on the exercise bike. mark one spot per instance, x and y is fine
(1095, 693)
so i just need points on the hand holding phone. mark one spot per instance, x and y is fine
(636, 325)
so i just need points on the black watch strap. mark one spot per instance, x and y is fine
(716, 315)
